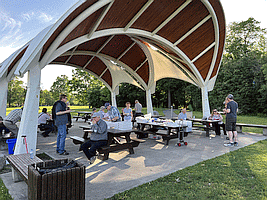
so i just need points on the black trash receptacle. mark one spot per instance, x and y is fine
(59, 183)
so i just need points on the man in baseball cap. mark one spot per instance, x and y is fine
(231, 115)
(98, 138)
(113, 113)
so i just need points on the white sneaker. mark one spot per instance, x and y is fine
(92, 159)
(228, 144)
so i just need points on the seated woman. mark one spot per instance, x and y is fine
(127, 112)
(216, 116)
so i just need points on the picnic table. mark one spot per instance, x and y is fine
(113, 143)
(86, 115)
(172, 130)
(207, 125)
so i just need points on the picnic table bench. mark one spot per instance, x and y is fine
(240, 125)
(20, 164)
(172, 131)
(204, 124)
(113, 143)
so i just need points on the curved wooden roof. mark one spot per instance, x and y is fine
(191, 33)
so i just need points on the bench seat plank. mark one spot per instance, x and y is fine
(20, 163)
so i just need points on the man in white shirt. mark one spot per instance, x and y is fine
(47, 128)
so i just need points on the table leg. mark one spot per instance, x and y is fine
(207, 129)
(128, 140)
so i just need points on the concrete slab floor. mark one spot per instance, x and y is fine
(122, 171)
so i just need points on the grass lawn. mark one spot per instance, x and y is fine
(240, 174)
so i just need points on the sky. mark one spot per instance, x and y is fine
(22, 20)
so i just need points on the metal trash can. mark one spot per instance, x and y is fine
(58, 182)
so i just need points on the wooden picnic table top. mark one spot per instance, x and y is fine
(162, 124)
(204, 120)
(85, 126)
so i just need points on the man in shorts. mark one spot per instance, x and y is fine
(231, 114)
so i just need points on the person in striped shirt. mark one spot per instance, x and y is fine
(11, 119)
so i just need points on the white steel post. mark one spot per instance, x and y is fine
(29, 120)
(149, 102)
(3, 96)
(205, 102)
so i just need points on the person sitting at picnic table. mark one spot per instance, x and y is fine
(47, 128)
(182, 115)
(217, 116)
(113, 113)
(127, 112)
(3, 129)
(94, 110)
(98, 138)
(11, 119)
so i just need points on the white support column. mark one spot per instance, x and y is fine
(3, 96)
(205, 102)
(149, 102)
(113, 96)
(28, 125)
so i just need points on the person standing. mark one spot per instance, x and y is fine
(43, 116)
(11, 119)
(102, 112)
(98, 138)
(113, 113)
(231, 115)
(60, 116)
(138, 108)
(127, 112)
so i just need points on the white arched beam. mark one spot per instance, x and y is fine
(28, 125)
(3, 96)
(133, 32)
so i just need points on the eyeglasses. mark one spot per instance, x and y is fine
(215, 111)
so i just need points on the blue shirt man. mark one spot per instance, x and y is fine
(182, 115)
(60, 115)
(113, 113)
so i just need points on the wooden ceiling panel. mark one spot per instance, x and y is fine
(203, 63)
(92, 45)
(65, 23)
(121, 13)
(117, 46)
(96, 66)
(107, 77)
(79, 60)
(199, 40)
(156, 14)
(83, 28)
(19, 56)
(60, 59)
(143, 72)
(190, 16)
(134, 57)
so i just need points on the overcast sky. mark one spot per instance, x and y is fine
(21, 20)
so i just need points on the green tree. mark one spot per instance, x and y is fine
(16, 93)
(60, 86)
(46, 98)
(87, 89)
(241, 69)
(129, 92)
